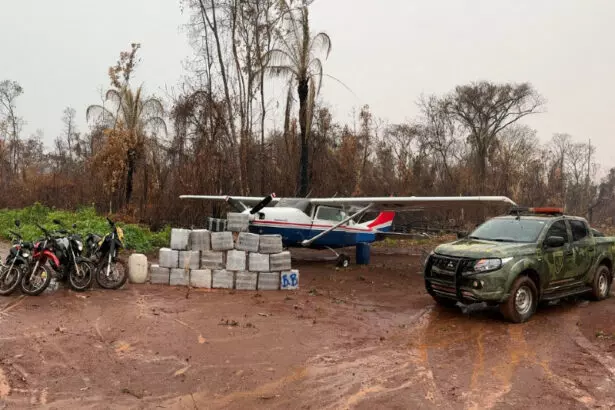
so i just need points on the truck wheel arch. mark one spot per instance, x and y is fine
(608, 263)
(534, 276)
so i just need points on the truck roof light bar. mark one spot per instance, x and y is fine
(546, 210)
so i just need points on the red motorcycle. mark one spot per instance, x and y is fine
(37, 280)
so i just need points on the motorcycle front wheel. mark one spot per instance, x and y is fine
(9, 279)
(80, 281)
(115, 279)
(34, 284)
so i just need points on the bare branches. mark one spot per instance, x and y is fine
(9, 92)
(485, 109)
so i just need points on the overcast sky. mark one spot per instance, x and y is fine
(388, 52)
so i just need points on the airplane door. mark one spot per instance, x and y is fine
(324, 218)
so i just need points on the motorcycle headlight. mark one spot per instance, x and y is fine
(79, 246)
(25, 254)
(490, 264)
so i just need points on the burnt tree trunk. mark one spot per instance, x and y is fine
(302, 90)
(130, 165)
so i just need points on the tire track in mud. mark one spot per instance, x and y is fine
(343, 378)
(492, 358)
(599, 358)
(346, 379)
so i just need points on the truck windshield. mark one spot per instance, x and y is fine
(509, 230)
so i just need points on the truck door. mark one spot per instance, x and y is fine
(583, 245)
(559, 261)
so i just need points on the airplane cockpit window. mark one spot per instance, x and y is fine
(331, 214)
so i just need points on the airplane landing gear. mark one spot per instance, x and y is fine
(343, 261)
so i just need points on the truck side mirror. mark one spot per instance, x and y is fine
(462, 234)
(554, 242)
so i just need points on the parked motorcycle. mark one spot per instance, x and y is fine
(17, 263)
(37, 278)
(72, 266)
(103, 252)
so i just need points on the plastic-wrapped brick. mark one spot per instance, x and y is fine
(270, 244)
(200, 240)
(189, 259)
(247, 242)
(246, 280)
(179, 277)
(257, 262)
(216, 224)
(180, 239)
(268, 281)
(222, 279)
(236, 222)
(212, 260)
(236, 260)
(279, 261)
(200, 278)
(222, 241)
(289, 280)
(159, 275)
(168, 258)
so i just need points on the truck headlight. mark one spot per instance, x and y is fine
(487, 265)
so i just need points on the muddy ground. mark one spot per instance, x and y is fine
(363, 338)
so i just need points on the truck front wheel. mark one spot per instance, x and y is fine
(522, 302)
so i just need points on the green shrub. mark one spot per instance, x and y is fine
(137, 237)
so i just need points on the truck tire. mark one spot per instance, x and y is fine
(522, 302)
(601, 285)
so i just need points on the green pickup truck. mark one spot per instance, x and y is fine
(518, 260)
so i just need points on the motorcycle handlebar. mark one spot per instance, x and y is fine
(15, 234)
(52, 234)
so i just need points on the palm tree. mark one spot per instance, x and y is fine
(135, 115)
(297, 58)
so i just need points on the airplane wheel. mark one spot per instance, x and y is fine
(343, 261)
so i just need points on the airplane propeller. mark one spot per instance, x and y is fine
(262, 204)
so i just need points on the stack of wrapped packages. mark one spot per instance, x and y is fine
(233, 259)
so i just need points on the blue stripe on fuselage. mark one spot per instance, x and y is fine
(292, 237)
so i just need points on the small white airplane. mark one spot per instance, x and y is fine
(329, 223)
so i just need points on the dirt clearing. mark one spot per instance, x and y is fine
(365, 337)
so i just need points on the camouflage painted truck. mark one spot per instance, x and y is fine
(518, 260)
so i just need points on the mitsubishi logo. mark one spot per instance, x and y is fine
(450, 265)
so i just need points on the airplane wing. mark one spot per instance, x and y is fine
(378, 203)
(414, 202)
(248, 200)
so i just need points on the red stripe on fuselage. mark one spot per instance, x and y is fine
(310, 225)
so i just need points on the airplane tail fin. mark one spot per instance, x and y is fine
(382, 223)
